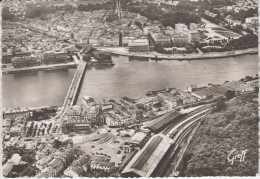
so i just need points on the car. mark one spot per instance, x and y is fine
(92, 146)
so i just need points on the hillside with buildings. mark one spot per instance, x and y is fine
(169, 27)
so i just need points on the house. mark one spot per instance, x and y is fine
(6, 169)
(191, 87)
(171, 102)
(138, 45)
(78, 168)
(106, 167)
(8, 166)
(6, 57)
(74, 172)
(202, 95)
(180, 39)
(139, 139)
(239, 87)
(125, 148)
(57, 166)
(46, 173)
(187, 97)
(40, 164)
(84, 162)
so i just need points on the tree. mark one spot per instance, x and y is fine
(220, 105)
(7, 15)
(230, 94)
(220, 132)
(256, 90)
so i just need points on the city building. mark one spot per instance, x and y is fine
(159, 38)
(180, 40)
(55, 57)
(6, 57)
(19, 62)
(97, 166)
(194, 36)
(90, 109)
(202, 95)
(76, 121)
(8, 166)
(252, 21)
(181, 28)
(139, 45)
(194, 26)
(139, 139)
(239, 87)
(170, 101)
(78, 168)
(74, 172)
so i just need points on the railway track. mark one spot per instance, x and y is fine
(174, 150)
(182, 130)
(172, 133)
(186, 120)
(167, 129)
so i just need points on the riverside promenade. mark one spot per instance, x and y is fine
(124, 52)
(6, 71)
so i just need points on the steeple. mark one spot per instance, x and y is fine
(118, 10)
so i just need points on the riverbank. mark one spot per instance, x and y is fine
(7, 71)
(155, 55)
(26, 109)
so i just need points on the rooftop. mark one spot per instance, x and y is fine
(147, 159)
(138, 137)
(163, 120)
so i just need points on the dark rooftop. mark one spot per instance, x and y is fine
(147, 153)
(163, 120)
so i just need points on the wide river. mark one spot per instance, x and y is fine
(127, 78)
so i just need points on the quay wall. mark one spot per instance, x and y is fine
(155, 55)
(38, 68)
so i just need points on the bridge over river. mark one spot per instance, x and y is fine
(71, 97)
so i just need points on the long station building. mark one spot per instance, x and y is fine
(147, 161)
(158, 124)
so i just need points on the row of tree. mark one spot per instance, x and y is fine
(242, 14)
(244, 42)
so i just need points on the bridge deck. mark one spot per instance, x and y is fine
(71, 96)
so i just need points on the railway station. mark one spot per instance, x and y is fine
(147, 160)
(158, 124)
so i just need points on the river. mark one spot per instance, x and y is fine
(126, 78)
